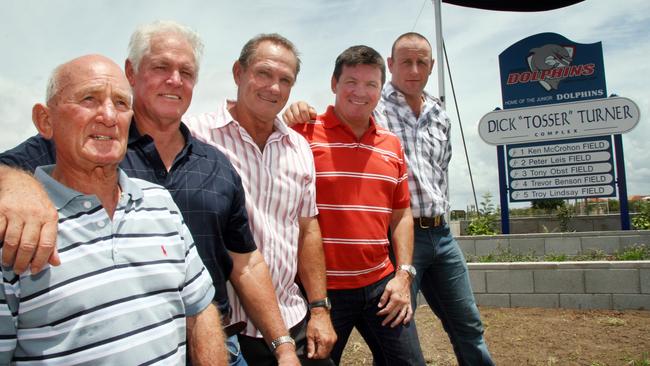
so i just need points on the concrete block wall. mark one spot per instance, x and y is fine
(581, 285)
(554, 243)
(549, 224)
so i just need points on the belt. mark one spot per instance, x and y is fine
(428, 222)
(231, 329)
(234, 328)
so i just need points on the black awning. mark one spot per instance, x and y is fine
(514, 5)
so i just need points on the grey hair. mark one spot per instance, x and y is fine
(53, 84)
(140, 43)
(249, 49)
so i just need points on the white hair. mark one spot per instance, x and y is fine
(53, 84)
(140, 43)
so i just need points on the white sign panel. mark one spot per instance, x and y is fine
(595, 117)
(560, 170)
(580, 180)
(564, 193)
(532, 161)
(574, 147)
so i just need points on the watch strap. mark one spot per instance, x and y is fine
(280, 341)
(322, 303)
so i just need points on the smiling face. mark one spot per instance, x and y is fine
(265, 84)
(164, 81)
(357, 90)
(88, 117)
(410, 66)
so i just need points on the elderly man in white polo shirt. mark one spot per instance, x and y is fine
(132, 288)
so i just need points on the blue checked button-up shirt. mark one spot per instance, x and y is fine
(427, 147)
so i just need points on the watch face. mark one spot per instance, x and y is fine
(409, 269)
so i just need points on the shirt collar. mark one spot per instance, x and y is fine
(61, 195)
(135, 137)
(331, 120)
(393, 95)
(224, 118)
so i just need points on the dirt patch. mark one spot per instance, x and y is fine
(535, 336)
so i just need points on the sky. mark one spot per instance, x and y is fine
(36, 36)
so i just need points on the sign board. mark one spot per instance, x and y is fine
(559, 121)
(556, 111)
(575, 168)
(548, 68)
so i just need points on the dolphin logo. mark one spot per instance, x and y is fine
(550, 57)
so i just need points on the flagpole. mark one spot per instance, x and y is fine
(439, 56)
(440, 61)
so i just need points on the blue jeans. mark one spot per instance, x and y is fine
(235, 357)
(358, 308)
(443, 278)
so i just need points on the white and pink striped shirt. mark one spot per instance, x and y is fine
(280, 188)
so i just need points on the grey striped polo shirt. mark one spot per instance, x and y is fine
(122, 292)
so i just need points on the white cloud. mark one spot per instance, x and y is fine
(41, 34)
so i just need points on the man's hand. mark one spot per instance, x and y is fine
(286, 355)
(28, 222)
(299, 112)
(396, 300)
(320, 334)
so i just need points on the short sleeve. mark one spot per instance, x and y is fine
(30, 154)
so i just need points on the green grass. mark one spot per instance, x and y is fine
(643, 361)
(632, 253)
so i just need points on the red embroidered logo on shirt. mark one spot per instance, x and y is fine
(163, 250)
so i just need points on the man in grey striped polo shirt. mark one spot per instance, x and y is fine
(132, 289)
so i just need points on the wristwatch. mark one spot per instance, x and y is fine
(324, 303)
(281, 340)
(409, 269)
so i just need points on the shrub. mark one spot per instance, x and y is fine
(634, 253)
(639, 252)
(642, 220)
(485, 223)
(564, 214)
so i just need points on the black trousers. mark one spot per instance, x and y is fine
(257, 353)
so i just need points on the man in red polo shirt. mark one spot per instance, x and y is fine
(361, 193)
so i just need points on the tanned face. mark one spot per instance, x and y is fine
(89, 115)
(357, 90)
(265, 84)
(411, 65)
(164, 82)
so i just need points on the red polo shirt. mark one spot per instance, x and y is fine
(359, 182)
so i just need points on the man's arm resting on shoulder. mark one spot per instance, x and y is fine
(298, 112)
(251, 279)
(28, 222)
(205, 339)
(311, 271)
(396, 299)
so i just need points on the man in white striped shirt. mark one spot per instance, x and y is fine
(277, 171)
(132, 288)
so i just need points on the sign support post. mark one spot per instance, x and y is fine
(503, 191)
(621, 182)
